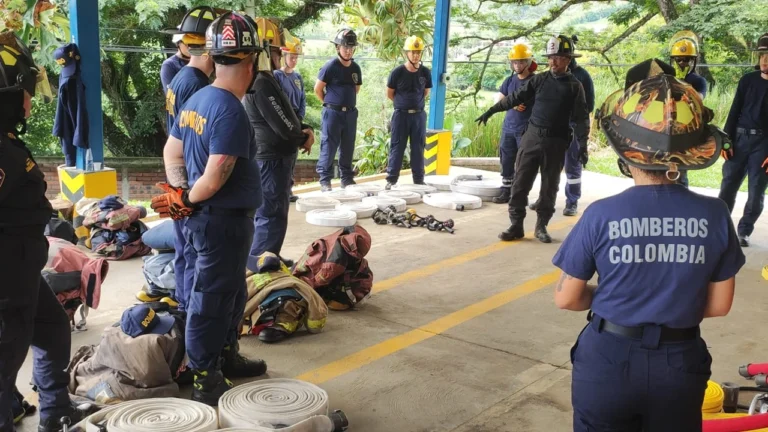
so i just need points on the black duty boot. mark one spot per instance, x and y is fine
(541, 231)
(345, 183)
(571, 209)
(273, 334)
(744, 240)
(534, 206)
(234, 365)
(76, 415)
(514, 232)
(209, 386)
(293, 197)
(389, 186)
(504, 197)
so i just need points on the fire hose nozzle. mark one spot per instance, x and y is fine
(743, 371)
(761, 380)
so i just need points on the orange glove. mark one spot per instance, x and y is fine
(727, 151)
(174, 203)
(765, 165)
(519, 108)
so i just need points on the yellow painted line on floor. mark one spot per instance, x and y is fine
(427, 331)
(461, 259)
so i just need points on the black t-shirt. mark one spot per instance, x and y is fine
(409, 86)
(22, 187)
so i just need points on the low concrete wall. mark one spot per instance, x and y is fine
(136, 177)
(481, 163)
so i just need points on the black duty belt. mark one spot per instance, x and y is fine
(219, 211)
(409, 111)
(549, 132)
(667, 334)
(338, 107)
(749, 131)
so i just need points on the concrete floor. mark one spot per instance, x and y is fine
(461, 333)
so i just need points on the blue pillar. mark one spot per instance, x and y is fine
(439, 64)
(84, 26)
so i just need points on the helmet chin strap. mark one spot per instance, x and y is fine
(338, 53)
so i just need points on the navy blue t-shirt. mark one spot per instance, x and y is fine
(293, 86)
(341, 82)
(514, 120)
(409, 86)
(655, 250)
(171, 66)
(213, 121)
(186, 83)
(697, 82)
(749, 109)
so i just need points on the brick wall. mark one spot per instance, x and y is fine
(136, 177)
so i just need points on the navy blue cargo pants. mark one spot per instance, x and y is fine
(271, 220)
(217, 246)
(407, 126)
(749, 152)
(339, 130)
(573, 174)
(508, 147)
(30, 315)
(628, 385)
(183, 280)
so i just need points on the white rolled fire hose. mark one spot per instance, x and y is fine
(152, 415)
(409, 197)
(344, 195)
(316, 203)
(332, 218)
(382, 202)
(472, 185)
(418, 188)
(453, 201)
(287, 405)
(369, 189)
(362, 209)
(439, 182)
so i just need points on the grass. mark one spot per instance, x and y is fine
(604, 162)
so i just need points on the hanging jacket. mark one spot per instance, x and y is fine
(336, 267)
(71, 121)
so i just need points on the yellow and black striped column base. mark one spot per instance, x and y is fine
(78, 184)
(437, 152)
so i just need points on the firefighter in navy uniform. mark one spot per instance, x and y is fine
(559, 102)
(187, 82)
(665, 257)
(515, 121)
(213, 141)
(747, 125)
(408, 87)
(338, 83)
(30, 314)
(279, 136)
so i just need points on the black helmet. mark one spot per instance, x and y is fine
(560, 45)
(346, 37)
(762, 43)
(195, 22)
(231, 37)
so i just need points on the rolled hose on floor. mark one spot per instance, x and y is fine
(713, 398)
(409, 197)
(287, 405)
(730, 423)
(149, 415)
(369, 189)
(344, 195)
(331, 218)
(421, 189)
(316, 203)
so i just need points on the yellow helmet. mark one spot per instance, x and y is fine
(520, 51)
(684, 48)
(292, 47)
(414, 43)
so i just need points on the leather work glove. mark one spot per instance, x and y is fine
(583, 156)
(483, 119)
(520, 108)
(174, 203)
(765, 165)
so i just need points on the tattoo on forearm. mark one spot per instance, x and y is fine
(177, 176)
(227, 163)
(563, 278)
